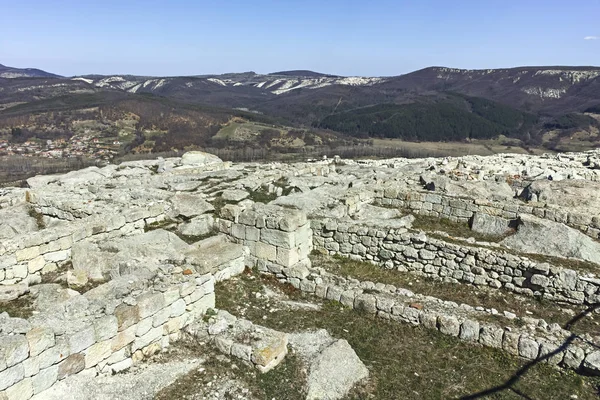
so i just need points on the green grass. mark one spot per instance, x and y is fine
(286, 381)
(261, 195)
(499, 299)
(460, 229)
(406, 362)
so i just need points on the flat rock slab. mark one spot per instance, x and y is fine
(189, 205)
(211, 254)
(138, 384)
(541, 236)
(234, 195)
(334, 367)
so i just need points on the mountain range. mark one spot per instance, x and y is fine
(543, 106)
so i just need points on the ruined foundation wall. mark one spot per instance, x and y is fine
(403, 250)
(35, 355)
(26, 256)
(462, 209)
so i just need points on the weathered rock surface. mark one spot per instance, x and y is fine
(16, 221)
(334, 367)
(199, 158)
(536, 235)
(139, 384)
(491, 225)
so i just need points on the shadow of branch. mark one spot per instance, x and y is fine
(509, 384)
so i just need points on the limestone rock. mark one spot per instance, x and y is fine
(198, 226)
(334, 371)
(541, 236)
(189, 205)
(490, 225)
(199, 158)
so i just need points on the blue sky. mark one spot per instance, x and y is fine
(375, 38)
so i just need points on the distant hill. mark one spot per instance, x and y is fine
(10, 72)
(551, 106)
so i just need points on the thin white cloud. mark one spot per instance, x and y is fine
(591, 38)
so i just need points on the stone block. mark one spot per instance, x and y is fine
(366, 302)
(28, 253)
(106, 327)
(510, 343)
(126, 316)
(44, 379)
(287, 257)
(13, 349)
(11, 375)
(252, 233)
(161, 317)
(469, 330)
(491, 336)
(278, 238)
(238, 231)
(71, 365)
(121, 365)
(143, 326)
(178, 308)
(97, 353)
(81, 340)
(528, 348)
(123, 338)
(39, 338)
(448, 325)
(20, 391)
(36, 264)
(150, 303)
(265, 251)
(58, 256)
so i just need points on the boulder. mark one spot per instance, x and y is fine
(334, 372)
(199, 158)
(491, 225)
(334, 367)
(541, 236)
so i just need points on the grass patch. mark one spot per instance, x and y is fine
(500, 299)
(18, 308)
(286, 381)
(407, 362)
(38, 216)
(191, 239)
(460, 229)
(261, 195)
(431, 224)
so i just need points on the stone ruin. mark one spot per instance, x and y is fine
(121, 261)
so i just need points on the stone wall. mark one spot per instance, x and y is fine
(26, 256)
(274, 235)
(547, 343)
(462, 209)
(35, 354)
(403, 250)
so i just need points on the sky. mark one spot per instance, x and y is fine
(367, 38)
